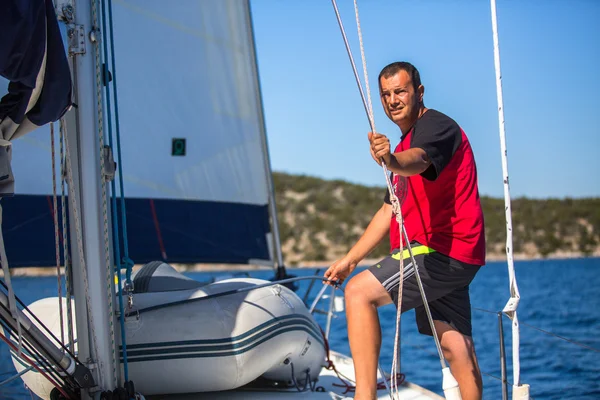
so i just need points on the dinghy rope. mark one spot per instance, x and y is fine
(452, 388)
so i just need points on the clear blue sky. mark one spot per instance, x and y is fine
(550, 54)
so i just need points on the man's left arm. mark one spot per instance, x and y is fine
(409, 162)
(435, 140)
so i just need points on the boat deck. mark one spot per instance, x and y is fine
(330, 387)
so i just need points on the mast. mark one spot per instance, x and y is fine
(280, 271)
(84, 149)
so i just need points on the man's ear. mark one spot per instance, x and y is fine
(421, 91)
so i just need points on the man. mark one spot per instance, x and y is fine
(435, 181)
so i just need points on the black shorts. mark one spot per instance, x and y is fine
(445, 281)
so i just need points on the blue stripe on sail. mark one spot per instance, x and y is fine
(190, 231)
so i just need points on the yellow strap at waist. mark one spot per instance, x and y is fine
(417, 250)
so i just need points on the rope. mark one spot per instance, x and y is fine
(397, 211)
(33, 364)
(396, 208)
(109, 274)
(585, 346)
(67, 258)
(347, 383)
(116, 242)
(18, 375)
(511, 306)
(127, 260)
(364, 64)
(27, 312)
(69, 17)
(31, 349)
(11, 294)
(56, 236)
(82, 261)
(425, 302)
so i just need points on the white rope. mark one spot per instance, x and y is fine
(396, 208)
(65, 235)
(511, 306)
(83, 264)
(395, 361)
(65, 231)
(364, 64)
(109, 269)
(56, 236)
(12, 302)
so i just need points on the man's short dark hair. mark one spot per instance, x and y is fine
(395, 67)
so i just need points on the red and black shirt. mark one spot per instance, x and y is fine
(440, 206)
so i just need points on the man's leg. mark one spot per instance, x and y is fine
(451, 314)
(363, 294)
(459, 351)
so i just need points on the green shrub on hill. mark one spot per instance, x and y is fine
(333, 213)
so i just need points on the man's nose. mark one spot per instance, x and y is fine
(394, 99)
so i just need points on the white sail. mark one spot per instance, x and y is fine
(185, 70)
(194, 161)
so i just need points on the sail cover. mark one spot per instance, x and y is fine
(38, 85)
(193, 160)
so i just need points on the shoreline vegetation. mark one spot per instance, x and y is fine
(320, 219)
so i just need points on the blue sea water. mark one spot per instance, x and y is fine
(559, 296)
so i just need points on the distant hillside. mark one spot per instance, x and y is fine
(320, 219)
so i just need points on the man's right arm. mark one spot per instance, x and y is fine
(373, 235)
(375, 232)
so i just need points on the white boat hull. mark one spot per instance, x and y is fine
(184, 344)
(222, 343)
(219, 341)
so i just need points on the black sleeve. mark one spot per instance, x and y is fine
(440, 137)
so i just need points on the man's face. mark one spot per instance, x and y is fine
(399, 98)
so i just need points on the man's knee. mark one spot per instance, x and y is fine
(455, 345)
(364, 288)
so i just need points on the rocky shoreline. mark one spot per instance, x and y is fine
(51, 271)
